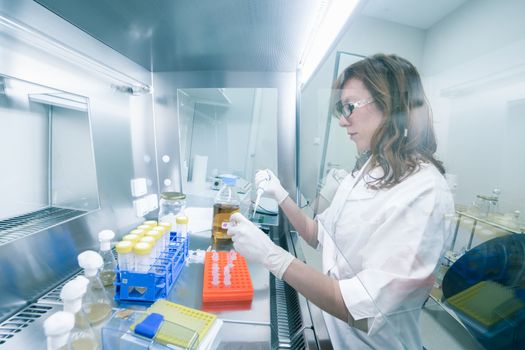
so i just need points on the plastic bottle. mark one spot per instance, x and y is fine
(57, 328)
(167, 232)
(226, 203)
(107, 274)
(81, 336)
(162, 235)
(152, 241)
(142, 258)
(95, 302)
(182, 226)
(125, 255)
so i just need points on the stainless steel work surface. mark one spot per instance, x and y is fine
(188, 288)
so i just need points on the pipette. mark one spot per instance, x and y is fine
(260, 191)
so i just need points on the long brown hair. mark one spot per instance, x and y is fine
(405, 137)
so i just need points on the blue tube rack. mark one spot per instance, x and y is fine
(132, 286)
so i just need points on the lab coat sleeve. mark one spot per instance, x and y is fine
(400, 256)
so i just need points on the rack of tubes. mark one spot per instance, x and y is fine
(157, 280)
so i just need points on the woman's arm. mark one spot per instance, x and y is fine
(322, 290)
(306, 226)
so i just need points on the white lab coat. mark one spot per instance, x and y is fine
(384, 246)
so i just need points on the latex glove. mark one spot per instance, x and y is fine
(256, 246)
(271, 185)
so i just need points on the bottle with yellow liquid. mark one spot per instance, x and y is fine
(226, 203)
(95, 301)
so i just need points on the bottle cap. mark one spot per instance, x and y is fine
(182, 220)
(59, 323)
(162, 229)
(71, 294)
(167, 225)
(144, 227)
(151, 223)
(156, 234)
(105, 237)
(149, 239)
(137, 232)
(171, 196)
(229, 179)
(131, 237)
(142, 248)
(124, 247)
(90, 261)
(82, 279)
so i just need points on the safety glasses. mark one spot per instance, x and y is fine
(345, 109)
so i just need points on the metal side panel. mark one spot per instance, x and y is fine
(40, 47)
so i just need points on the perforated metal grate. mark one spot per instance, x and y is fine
(53, 296)
(27, 224)
(286, 316)
(21, 320)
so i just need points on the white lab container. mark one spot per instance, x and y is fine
(153, 243)
(125, 255)
(141, 252)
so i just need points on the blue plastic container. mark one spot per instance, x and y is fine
(131, 286)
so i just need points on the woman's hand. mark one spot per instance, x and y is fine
(270, 184)
(256, 246)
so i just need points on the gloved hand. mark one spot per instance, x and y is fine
(256, 246)
(271, 185)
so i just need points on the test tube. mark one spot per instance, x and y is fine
(142, 251)
(153, 243)
(233, 255)
(215, 274)
(214, 256)
(182, 226)
(165, 224)
(125, 255)
(159, 240)
(227, 276)
(160, 231)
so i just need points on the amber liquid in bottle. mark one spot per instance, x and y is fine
(221, 220)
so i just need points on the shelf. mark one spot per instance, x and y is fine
(491, 223)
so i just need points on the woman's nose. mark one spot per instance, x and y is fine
(343, 122)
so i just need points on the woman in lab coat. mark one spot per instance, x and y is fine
(388, 223)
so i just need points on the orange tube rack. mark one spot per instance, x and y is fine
(241, 287)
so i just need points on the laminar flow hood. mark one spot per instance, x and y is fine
(204, 35)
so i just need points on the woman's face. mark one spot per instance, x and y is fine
(363, 121)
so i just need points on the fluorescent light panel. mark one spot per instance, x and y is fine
(331, 21)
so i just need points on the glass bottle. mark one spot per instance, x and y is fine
(107, 274)
(95, 301)
(81, 336)
(57, 328)
(226, 203)
(170, 205)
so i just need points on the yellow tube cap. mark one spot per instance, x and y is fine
(142, 248)
(182, 220)
(131, 237)
(124, 247)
